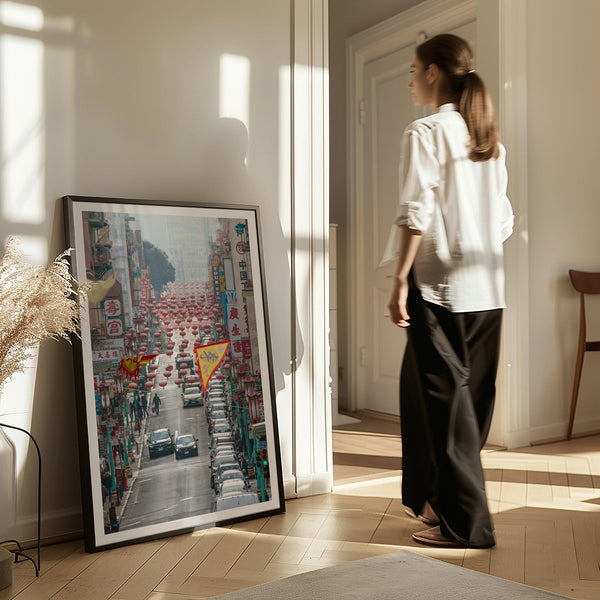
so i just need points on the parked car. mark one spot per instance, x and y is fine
(160, 441)
(220, 437)
(228, 466)
(192, 396)
(217, 461)
(232, 485)
(221, 426)
(214, 406)
(230, 475)
(216, 415)
(186, 445)
(234, 499)
(223, 447)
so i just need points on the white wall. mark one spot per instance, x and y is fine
(563, 90)
(123, 99)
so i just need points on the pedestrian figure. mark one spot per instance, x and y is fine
(145, 404)
(156, 402)
(453, 216)
(112, 514)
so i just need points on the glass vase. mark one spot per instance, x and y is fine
(8, 483)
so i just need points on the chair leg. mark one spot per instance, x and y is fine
(576, 381)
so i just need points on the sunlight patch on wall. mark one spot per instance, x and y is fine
(23, 129)
(234, 88)
(21, 16)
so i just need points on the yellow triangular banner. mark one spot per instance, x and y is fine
(209, 358)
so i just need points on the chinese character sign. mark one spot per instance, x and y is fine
(112, 307)
(114, 327)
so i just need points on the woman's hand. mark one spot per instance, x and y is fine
(397, 304)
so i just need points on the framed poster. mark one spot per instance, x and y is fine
(175, 398)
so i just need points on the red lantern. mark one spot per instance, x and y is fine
(158, 344)
(178, 381)
(132, 386)
(167, 374)
(155, 353)
(157, 334)
(169, 367)
(149, 385)
(162, 384)
(169, 352)
(151, 375)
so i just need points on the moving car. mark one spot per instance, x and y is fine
(192, 396)
(186, 445)
(160, 442)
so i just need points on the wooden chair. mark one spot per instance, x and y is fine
(584, 283)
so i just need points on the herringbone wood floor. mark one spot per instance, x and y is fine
(545, 500)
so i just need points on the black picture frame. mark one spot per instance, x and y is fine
(162, 271)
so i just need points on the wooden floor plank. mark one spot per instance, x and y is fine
(150, 575)
(105, 575)
(208, 540)
(508, 558)
(586, 532)
(545, 502)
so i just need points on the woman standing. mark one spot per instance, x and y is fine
(453, 216)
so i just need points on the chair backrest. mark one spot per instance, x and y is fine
(585, 283)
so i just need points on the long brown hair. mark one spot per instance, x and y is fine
(454, 58)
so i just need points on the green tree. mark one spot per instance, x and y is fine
(161, 269)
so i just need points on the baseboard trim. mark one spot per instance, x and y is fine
(56, 526)
(314, 484)
(558, 431)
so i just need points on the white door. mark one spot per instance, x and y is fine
(387, 110)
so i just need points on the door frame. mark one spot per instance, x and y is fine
(506, 65)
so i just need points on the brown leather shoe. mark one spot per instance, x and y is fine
(434, 537)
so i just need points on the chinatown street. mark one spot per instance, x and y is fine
(165, 488)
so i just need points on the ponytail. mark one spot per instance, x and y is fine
(454, 57)
(475, 106)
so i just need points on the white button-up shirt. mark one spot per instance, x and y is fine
(462, 210)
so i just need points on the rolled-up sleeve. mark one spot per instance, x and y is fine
(419, 176)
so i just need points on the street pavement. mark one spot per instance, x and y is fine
(167, 489)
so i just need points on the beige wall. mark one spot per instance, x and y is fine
(127, 106)
(563, 90)
(346, 18)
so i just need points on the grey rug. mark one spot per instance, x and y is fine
(401, 574)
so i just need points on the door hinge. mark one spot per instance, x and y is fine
(361, 112)
(363, 356)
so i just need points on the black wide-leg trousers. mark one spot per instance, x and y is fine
(447, 392)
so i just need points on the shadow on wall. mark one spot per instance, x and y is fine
(122, 100)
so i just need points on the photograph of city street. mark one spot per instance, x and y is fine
(176, 385)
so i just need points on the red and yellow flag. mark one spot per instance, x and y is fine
(209, 358)
(131, 365)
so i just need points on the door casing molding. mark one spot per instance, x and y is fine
(509, 52)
